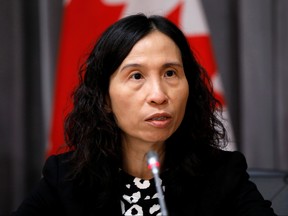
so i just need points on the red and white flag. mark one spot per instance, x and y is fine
(84, 21)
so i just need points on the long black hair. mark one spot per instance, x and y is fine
(90, 129)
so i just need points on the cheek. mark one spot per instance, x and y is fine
(121, 105)
(185, 96)
(116, 95)
(118, 103)
(124, 115)
(182, 99)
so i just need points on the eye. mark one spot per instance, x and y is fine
(170, 73)
(136, 76)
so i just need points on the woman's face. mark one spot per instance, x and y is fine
(149, 91)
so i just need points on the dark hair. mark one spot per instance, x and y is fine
(91, 131)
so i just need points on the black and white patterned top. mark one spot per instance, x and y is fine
(139, 196)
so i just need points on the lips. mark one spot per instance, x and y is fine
(159, 117)
(159, 120)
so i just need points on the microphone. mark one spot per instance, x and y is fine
(153, 165)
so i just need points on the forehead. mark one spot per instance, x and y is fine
(154, 44)
(153, 38)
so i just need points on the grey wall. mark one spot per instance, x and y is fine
(250, 41)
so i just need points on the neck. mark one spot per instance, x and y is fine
(135, 161)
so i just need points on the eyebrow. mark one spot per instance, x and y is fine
(168, 64)
(130, 65)
(172, 64)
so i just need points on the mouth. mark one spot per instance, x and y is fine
(159, 117)
(159, 120)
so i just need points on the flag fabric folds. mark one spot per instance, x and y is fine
(84, 21)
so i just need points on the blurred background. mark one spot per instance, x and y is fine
(250, 45)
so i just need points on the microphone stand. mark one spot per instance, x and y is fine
(153, 164)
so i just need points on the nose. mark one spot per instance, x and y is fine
(157, 93)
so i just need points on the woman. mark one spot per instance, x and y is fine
(142, 89)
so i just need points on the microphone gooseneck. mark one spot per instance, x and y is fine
(153, 165)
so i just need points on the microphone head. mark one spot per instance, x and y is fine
(153, 161)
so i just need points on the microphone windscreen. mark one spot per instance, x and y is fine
(152, 161)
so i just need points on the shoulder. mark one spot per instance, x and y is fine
(229, 159)
(228, 155)
(46, 196)
(57, 167)
(58, 160)
(229, 179)
(228, 166)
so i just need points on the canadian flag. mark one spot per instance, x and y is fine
(84, 21)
